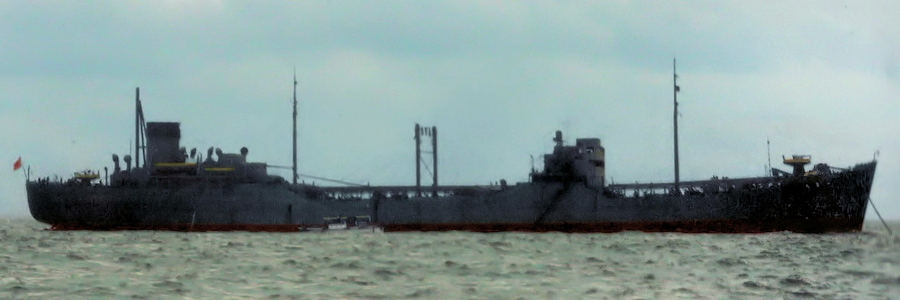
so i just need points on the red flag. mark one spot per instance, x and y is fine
(18, 164)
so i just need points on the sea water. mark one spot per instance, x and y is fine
(361, 264)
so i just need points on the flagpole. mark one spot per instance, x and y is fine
(18, 165)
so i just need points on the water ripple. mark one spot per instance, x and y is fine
(454, 265)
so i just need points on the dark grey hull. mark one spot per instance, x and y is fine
(833, 203)
(201, 207)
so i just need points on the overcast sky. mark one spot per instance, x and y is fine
(496, 78)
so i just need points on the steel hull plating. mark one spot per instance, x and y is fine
(832, 203)
(835, 203)
(197, 207)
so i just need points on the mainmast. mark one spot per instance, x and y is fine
(675, 118)
(140, 145)
(140, 134)
(137, 127)
(295, 127)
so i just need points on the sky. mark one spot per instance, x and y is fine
(496, 78)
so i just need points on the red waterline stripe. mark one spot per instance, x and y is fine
(725, 226)
(187, 227)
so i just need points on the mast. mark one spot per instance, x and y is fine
(418, 138)
(769, 153)
(137, 127)
(675, 118)
(295, 127)
(434, 164)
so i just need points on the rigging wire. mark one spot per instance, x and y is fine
(317, 177)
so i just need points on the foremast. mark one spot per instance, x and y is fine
(676, 89)
(295, 129)
(140, 126)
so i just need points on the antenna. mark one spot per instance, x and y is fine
(295, 125)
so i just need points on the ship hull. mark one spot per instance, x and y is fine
(814, 204)
(195, 207)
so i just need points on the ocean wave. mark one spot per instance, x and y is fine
(366, 265)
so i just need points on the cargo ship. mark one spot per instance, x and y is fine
(170, 188)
